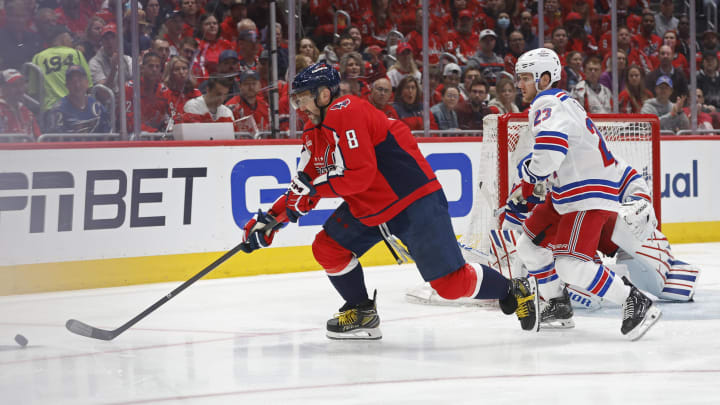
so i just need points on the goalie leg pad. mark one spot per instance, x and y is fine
(680, 282)
(503, 247)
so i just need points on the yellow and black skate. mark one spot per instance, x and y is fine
(358, 322)
(524, 301)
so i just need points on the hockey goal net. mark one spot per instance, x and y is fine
(507, 139)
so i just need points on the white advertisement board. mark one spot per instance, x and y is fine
(690, 179)
(101, 203)
(66, 204)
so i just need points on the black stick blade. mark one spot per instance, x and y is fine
(83, 329)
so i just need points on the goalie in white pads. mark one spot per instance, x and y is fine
(640, 249)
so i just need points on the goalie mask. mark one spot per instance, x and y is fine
(537, 62)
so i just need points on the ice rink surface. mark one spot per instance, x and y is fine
(261, 340)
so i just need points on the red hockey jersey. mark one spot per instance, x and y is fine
(372, 162)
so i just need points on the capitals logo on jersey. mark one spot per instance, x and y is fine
(341, 104)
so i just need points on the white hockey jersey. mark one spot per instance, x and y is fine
(568, 147)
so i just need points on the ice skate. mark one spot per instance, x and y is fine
(639, 313)
(358, 322)
(557, 313)
(524, 301)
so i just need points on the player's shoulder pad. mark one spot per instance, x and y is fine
(549, 98)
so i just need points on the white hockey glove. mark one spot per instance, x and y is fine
(639, 217)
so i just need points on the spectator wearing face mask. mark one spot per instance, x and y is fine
(503, 28)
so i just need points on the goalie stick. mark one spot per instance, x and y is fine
(83, 329)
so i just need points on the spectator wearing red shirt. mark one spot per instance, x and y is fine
(210, 45)
(228, 27)
(409, 104)
(706, 113)
(435, 42)
(404, 12)
(374, 67)
(75, 15)
(191, 14)
(209, 107)
(174, 31)
(179, 87)
(516, 48)
(249, 102)
(15, 118)
(376, 23)
(461, 8)
(578, 39)
(624, 17)
(646, 40)
(154, 107)
(552, 17)
(679, 61)
(462, 42)
(559, 40)
(380, 95)
(631, 99)
(635, 56)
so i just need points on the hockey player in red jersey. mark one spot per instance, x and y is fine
(353, 151)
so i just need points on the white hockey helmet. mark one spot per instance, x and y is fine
(539, 61)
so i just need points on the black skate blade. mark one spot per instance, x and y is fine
(83, 329)
(359, 334)
(557, 324)
(653, 315)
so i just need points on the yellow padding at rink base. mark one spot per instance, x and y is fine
(33, 278)
(692, 232)
(44, 277)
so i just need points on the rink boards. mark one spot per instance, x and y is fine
(105, 214)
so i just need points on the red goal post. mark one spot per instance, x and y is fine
(506, 139)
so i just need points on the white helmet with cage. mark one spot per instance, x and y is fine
(537, 62)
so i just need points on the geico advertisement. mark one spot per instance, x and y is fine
(82, 204)
(690, 172)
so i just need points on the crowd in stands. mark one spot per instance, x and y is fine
(208, 60)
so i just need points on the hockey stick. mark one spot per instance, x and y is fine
(83, 329)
